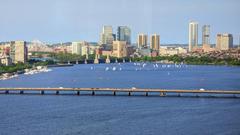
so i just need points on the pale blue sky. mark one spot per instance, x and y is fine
(72, 20)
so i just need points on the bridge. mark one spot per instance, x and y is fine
(114, 91)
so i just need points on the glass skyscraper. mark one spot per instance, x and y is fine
(206, 34)
(124, 34)
(107, 36)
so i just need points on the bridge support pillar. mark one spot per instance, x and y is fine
(78, 92)
(21, 92)
(146, 94)
(42, 92)
(114, 93)
(179, 95)
(57, 92)
(93, 93)
(162, 94)
(6, 92)
(129, 93)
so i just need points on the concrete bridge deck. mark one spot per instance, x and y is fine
(130, 91)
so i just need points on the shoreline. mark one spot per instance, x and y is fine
(9, 75)
(29, 71)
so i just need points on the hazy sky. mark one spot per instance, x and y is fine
(74, 20)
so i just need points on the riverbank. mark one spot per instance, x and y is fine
(175, 59)
(28, 71)
(190, 60)
(60, 65)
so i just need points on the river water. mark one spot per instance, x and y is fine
(104, 114)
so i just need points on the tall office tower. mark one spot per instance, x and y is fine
(107, 37)
(206, 35)
(18, 51)
(124, 34)
(119, 49)
(142, 41)
(193, 35)
(155, 42)
(224, 41)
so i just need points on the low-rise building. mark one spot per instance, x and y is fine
(154, 53)
(119, 49)
(6, 60)
(92, 48)
(142, 52)
(167, 51)
(130, 50)
(197, 49)
(207, 48)
(106, 53)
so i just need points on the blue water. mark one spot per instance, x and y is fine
(186, 77)
(137, 115)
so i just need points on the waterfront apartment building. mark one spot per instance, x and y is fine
(206, 34)
(193, 35)
(76, 48)
(155, 42)
(85, 50)
(142, 41)
(119, 49)
(79, 48)
(171, 50)
(107, 37)
(18, 51)
(224, 41)
(124, 34)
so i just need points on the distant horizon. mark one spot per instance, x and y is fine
(185, 44)
(67, 21)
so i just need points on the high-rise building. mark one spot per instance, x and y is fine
(193, 35)
(224, 41)
(155, 42)
(107, 36)
(119, 49)
(142, 41)
(18, 51)
(76, 48)
(206, 34)
(124, 34)
(80, 48)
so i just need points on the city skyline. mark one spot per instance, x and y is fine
(63, 21)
